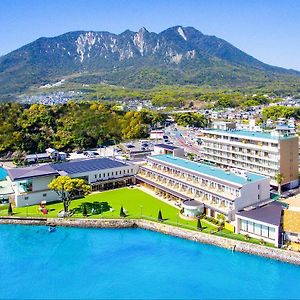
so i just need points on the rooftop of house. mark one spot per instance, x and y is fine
(37, 156)
(87, 165)
(291, 221)
(209, 170)
(30, 172)
(269, 213)
(250, 134)
(165, 146)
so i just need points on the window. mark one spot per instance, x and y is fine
(103, 174)
(45, 195)
(244, 225)
(99, 175)
(116, 173)
(264, 231)
(272, 233)
(257, 229)
(26, 198)
(95, 175)
(250, 227)
(120, 172)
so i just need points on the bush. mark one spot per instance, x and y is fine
(199, 225)
(247, 237)
(159, 217)
(262, 242)
(84, 210)
(9, 210)
(122, 213)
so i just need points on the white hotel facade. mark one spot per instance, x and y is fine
(220, 192)
(264, 153)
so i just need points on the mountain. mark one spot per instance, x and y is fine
(178, 55)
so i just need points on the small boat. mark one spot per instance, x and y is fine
(51, 228)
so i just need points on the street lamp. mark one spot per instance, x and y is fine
(101, 211)
(177, 218)
(27, 209)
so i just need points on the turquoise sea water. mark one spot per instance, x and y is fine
(3, 173)
(132, 263)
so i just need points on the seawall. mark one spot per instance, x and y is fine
(232, 245)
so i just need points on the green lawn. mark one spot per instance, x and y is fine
(107, 205)
(136, 203)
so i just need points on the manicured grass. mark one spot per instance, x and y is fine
(136, 203)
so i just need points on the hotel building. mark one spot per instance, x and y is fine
(221, 192)
(265, 153)
(30, 184)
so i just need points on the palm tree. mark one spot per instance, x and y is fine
(279, 179)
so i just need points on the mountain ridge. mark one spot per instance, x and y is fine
(177, 55)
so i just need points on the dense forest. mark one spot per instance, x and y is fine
(71, 126)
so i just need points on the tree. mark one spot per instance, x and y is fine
(159, 217)
(199, 225)
(122, 213)
(19, 157)
(279, 179)
(84, 210)
(67, 188)
(9, 210)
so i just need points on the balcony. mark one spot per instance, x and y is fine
(190, 181)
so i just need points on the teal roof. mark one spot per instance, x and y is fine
(253, 134)
(208, 170)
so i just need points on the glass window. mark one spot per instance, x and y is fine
(244, 225)
(272, 233)
(250, 227)
(257, 229)
(264, 231)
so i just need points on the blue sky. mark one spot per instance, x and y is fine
(266, 29)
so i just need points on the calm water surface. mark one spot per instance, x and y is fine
(132, 263)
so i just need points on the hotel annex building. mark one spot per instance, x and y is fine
(220, 191)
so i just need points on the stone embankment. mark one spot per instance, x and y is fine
(232, 245)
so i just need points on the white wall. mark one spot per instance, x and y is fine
(239, 230)
(95, 176)
(250, 192)
(35, 198)
(41, 183)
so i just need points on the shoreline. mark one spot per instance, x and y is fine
(232, 245)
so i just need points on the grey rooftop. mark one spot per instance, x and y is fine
(29, 172)
(87, 165)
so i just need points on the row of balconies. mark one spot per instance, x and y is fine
(253, 161)
(205, 198)
(253, 154)
(219, 190)
(273, 149)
